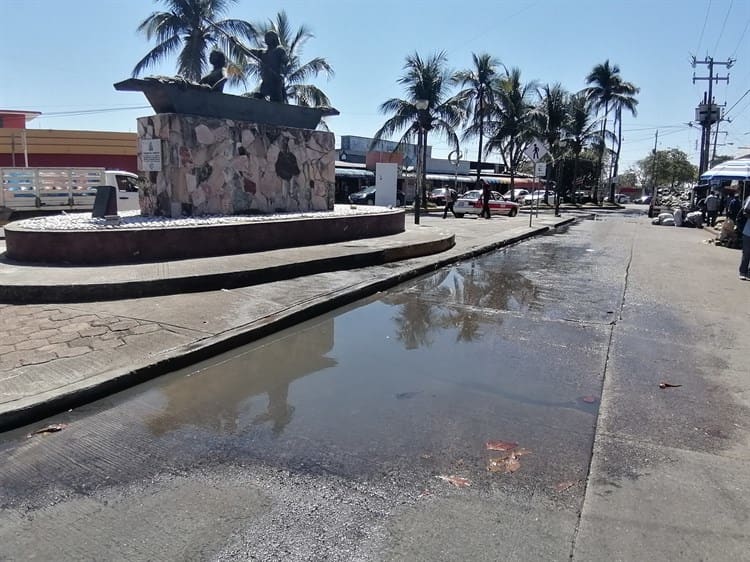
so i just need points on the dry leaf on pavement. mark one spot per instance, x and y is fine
(507, 464)
(589, 399)
(562, 486)
(51, 428)
(457, 481)
(668, 385)
(500, 445)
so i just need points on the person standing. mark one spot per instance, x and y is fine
(485, 199)
(450, 200)
(734, 207)
(712, 208)
(744, 215)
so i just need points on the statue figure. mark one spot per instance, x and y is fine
(216, 79)
(273, 62)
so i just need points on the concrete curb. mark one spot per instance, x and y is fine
(29, 410)
(118, 290)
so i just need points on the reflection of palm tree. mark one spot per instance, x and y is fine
(212, 397)
(433, 305)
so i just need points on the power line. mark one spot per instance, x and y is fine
(705, 21)
(91, 111)
(742, 36)
(723, 25)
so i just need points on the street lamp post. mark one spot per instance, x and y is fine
(421, 106)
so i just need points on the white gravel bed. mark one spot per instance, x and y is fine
(133, 219)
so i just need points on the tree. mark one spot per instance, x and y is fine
(581, 131)
(550, 120)
(607, 89)
(423, 79)
(624, 99)
(191, 27)
(296, 73)
(478, 98)
(667, 167)
(510, 120)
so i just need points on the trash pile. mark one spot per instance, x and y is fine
(680, 217)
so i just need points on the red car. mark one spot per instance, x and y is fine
(470, 203)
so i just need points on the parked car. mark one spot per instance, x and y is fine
(516, 194)
(470, 203)
(620, 198)
(538, 197)
(645, 200)
(437, 196)
(366, 196)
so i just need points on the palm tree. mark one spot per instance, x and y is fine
(191, 27)
(423, 79)
(478, 97)
(510, 121)
(581, 130)
(551, 118)
(624, 98)
(297, 73)
(604, 80)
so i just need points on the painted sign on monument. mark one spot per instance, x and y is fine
(385, 184)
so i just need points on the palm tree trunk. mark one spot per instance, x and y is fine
(575, 175)
(424, 169)
(481, 136)
(602, 146)
(619, 145)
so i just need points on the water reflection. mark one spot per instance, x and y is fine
(215, 395)
(453, 297)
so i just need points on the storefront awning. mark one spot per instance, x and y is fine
(354, 173)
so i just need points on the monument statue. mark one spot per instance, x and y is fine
(216, 79)
(273, 62)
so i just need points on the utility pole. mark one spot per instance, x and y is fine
(707, 113)
(652, 204)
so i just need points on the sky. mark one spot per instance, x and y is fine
(62, 57)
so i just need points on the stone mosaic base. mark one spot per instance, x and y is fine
(220, 166)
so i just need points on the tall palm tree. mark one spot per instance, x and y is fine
(550, 120)
(604, 80)
(581, 130)
(423, 79)
(511, 120)
(478, 97)
(623, 99)
(297, 73)
(192, 28)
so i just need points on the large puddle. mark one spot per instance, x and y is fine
(412, 382)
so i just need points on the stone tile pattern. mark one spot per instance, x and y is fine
(33, 335)
(220, 166)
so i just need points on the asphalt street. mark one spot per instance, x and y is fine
(328, 440)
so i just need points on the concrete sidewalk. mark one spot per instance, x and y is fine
(58, 356)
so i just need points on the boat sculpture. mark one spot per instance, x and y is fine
(175, 95)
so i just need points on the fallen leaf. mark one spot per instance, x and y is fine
(589, 399)
(668, 385)
(457, 481)
(51, 428)
(426, 456)
(562, 486)
(424, 493)
(500, 445)
(507, 463)
(521, 452)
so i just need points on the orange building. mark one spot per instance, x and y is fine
(22, 147)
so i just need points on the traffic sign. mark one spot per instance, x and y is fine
(540, 169)
(536, 150)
